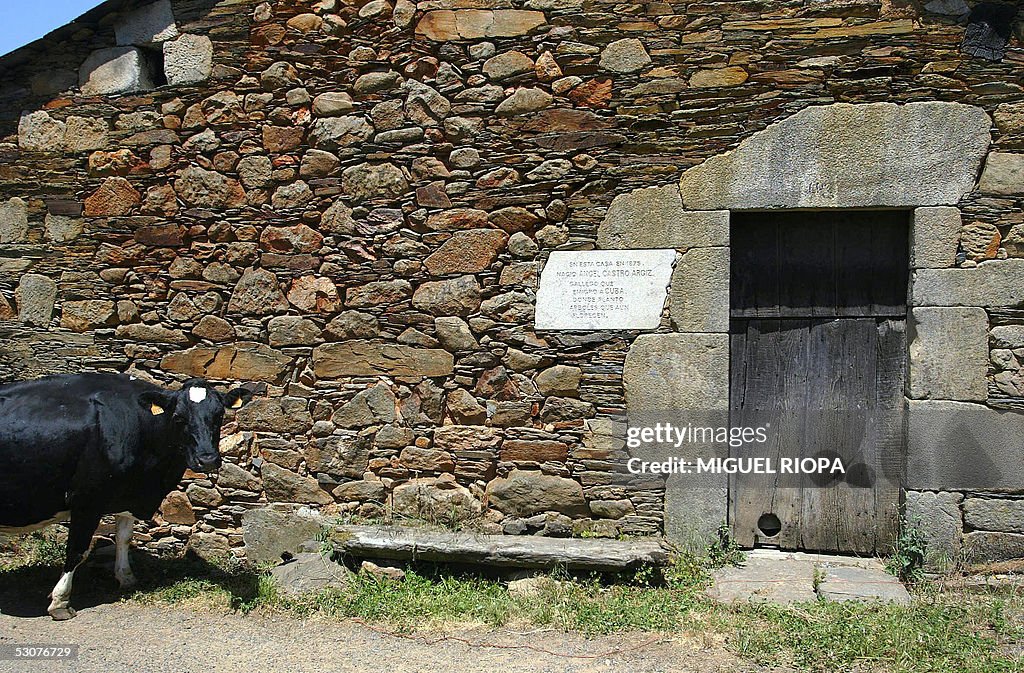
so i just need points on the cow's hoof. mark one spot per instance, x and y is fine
(127, 583)
(62, 614)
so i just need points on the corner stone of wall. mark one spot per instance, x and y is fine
(681, 378)
(948, 349)
(938, 517)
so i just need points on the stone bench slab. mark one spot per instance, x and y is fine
(542, 553)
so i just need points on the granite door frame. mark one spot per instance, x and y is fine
(870, 162)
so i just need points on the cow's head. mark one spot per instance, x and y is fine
(195, 413)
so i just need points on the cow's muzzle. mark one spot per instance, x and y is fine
(211, 465)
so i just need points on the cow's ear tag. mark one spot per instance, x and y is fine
(156, 409)
(237, 404)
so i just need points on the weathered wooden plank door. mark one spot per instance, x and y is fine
(818, 344)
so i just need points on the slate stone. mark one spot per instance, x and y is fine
(59, 228)
(279, 75)
(475, 24)
(255, 172)
(761, 580)
(377, 293)
(352, 325)
(457, 296)
(241, 361)
(528, 492)
(373, 406)
(257, 293)
(718, 77)
(340, 455)
(309, 573)
(454, 334)
(1009, 118)
(364, 358)
(468, 251)
(374, 82)
(435, 500)
(114, 197)
(152, 333)
(425, 105)
(332, 133)
(846, 583)
(288, 330)
(84, 134)
(361, 491)
(83, 315)
(464, 408)
(560, 380)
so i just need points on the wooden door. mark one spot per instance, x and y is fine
(818, 351)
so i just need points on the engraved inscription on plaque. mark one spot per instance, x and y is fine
(604, 289)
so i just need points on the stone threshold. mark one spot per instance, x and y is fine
(784, 578)
(399, 543)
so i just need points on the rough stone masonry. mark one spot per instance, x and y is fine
(349, 203)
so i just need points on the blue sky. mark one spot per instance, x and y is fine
(26, 22)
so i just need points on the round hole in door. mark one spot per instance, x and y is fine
(769, 525)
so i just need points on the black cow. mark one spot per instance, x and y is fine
(82, 446)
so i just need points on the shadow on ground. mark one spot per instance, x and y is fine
(24, 590)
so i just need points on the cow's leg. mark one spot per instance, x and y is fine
(123, 538)
(79, 541)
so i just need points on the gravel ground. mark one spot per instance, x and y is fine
(133, 638)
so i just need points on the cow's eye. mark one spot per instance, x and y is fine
(179, 419)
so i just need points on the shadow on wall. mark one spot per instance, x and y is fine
(119, 47)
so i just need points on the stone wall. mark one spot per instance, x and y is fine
(349, 204)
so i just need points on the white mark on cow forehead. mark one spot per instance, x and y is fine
(197, 394)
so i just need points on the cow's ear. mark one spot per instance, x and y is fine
(237, 398)
(157, 402)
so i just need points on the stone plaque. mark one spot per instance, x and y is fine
(604, 289)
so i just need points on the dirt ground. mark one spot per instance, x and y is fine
(132, 638)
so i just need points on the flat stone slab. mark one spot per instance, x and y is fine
(784, 578)
(511, 551)
(765, 580)
(847, 583)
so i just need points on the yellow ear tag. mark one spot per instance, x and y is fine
(156, 409)
(237, 404)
